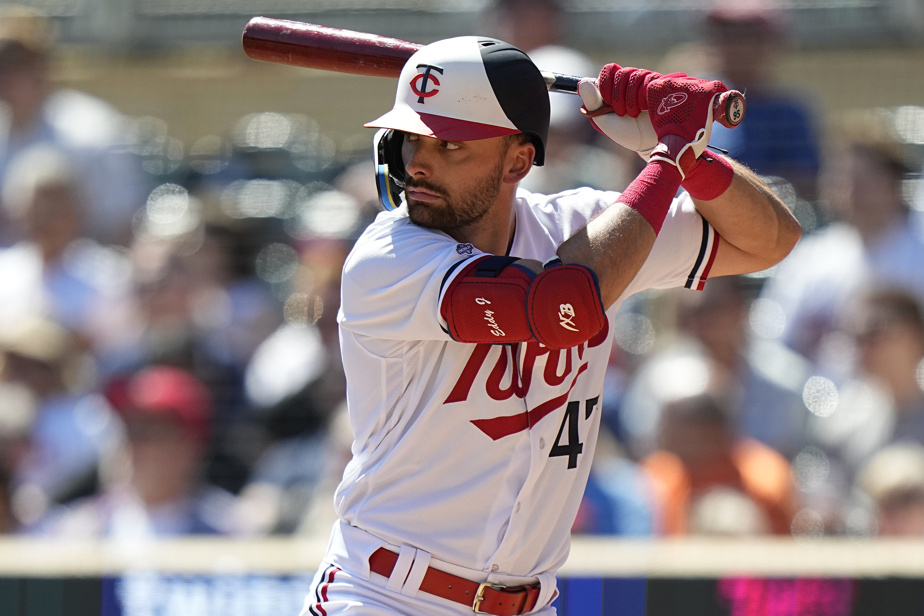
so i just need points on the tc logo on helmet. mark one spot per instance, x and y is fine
(421, 81)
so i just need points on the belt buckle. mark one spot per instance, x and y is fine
(479, 596)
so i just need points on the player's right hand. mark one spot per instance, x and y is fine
(681, 110)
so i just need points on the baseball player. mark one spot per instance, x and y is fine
(476, 321)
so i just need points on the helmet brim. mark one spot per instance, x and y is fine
(405, 119)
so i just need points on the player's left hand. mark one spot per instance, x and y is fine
(625, 88)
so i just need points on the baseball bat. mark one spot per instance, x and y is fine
(295, 43)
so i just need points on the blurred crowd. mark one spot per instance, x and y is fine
(169, 360)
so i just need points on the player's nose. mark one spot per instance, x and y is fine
(418, 156)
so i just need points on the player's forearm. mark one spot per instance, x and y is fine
(614, 244)
(755, 224)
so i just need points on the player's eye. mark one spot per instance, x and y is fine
(411, 137)
(451, 145)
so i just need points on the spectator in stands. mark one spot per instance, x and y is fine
(198, 304)
(712, 337)
(62, 430)
(870, 241)
(292, 486)
(893, 481)
(195, 279)
(762, 378)
(745, 41)
(158, 489)
(881, 400)
(54, 270)
(298, 400)
(619, 498)
(698, 452)
(34, 111)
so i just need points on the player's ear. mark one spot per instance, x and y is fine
(519, 161)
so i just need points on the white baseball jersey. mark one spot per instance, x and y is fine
(478, 453)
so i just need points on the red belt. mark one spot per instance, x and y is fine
(482, 598)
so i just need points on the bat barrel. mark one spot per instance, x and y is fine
(321, 47)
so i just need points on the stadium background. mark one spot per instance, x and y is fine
(182, 61)
(177, 66)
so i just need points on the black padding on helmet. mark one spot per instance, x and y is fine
(520, 89)
(389, 167)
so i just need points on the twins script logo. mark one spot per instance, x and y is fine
(506, 372)
(465, 249)
(423, 80)
(670, 101)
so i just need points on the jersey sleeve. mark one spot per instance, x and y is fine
(683, 252)
(393, 277)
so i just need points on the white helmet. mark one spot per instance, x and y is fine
(461, 89)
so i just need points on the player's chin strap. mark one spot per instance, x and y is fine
(389, 168)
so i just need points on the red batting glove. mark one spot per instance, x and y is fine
(681, 113)
(625, 88)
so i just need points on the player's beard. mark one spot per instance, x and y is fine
(456, 213)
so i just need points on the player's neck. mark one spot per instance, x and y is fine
(493, 233)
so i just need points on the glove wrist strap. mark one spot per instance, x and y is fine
(676, 151)
(652, 192)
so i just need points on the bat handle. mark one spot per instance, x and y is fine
(557, 82)
(728, 108)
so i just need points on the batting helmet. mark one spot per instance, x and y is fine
(460, 89)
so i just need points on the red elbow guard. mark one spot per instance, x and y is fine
(486, 303)
(564, 306)
(496, 301)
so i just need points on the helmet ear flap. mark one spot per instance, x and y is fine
(389, 167)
